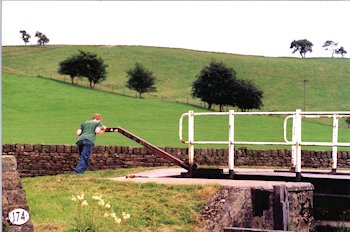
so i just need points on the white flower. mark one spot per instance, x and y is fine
(126, 216)
(117, 220)
(84, 203)
(106, 214)
(101, 202)
(108, 205)
(74, 199)
(113, 215)
(80, 197)
(97, 198)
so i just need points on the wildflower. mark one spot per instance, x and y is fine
(106, 214)
(117, 220)
(97, 198)
(80, 197)
(74, 199)
(84, 203)
(126, 216)
(113, 215)
(101, 202)
(108, 205)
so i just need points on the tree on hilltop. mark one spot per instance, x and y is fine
(303, 46)
(42, 38)
(341, 51)
(25, 36)
(84, 64)
(140, 79)
(330, 46)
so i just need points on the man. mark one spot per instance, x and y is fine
(87, 135)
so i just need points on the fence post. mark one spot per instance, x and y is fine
(296, 149)
(334, 141)
(293, 146)
(190, 137)
(231, 145)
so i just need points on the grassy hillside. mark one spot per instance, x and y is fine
(37, 110)
(43, 111)
(281, 79)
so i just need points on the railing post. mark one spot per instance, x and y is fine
(231, 145)
(190, 137)
(294, 160)
(334, 141)
(297, 140)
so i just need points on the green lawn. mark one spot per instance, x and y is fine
(153, 207)
(42, 111)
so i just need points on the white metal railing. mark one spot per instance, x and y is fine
(296, 142)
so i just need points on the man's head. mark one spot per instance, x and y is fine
(97, 117)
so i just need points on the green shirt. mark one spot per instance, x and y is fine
(88, 130)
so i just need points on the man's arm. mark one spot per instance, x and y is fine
(100, 130)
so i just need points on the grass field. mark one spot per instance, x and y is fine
(281, 79)
(153, 207)
(43, 111)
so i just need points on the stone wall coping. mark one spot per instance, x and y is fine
(9, 163)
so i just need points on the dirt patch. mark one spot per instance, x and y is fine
(49, 227)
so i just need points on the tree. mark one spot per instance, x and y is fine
(141, 80)
(215, 84)
(347, 120)
(248, 96)
(330, 46)
(70, 67)
(303, 46)
(25, 36)
(42, 38)
(84, 64)
(340, 51)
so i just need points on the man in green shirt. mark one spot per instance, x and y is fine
(87, 135)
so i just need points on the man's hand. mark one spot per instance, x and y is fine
(78, 132)
(100, 130)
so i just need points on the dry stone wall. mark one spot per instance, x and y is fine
(43, 159)
(13, 195)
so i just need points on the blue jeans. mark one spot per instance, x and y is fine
(85, 149)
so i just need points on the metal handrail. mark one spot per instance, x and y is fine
(296, 125)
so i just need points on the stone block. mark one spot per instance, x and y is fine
(60, 148)
(9, 163)
(6, 148)
(67, 149)
(37, 147)
(28, 147)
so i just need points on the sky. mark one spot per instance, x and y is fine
(263, 28)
